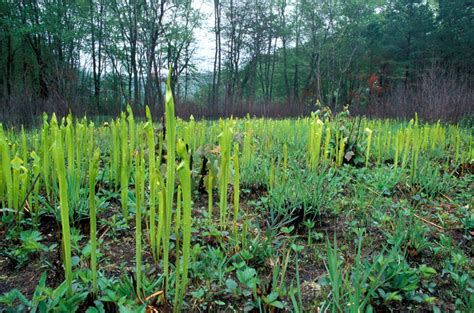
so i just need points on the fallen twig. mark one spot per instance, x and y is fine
(429, 222)
(159, 292)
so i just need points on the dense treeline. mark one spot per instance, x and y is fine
(91, 55)
(272, 57)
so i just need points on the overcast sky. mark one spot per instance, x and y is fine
(205, 42)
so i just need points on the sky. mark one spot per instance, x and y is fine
(205, 42)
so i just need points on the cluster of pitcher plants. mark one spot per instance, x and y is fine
(153, 165)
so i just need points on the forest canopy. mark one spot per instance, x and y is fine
(272, 57)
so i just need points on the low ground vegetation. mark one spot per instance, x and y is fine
(329, 213)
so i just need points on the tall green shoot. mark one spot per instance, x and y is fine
(131, 127)
(398, 140)
(124, 167)
(36, 173)
(161, 221)
(170, 170)
(177, 226)
(236, 191)
(24, 156)
(6, 166)
(246, 150)
(327, 141)
(210, 179)
(70, 147)
(139, 196)
(177, 219)
(457, 148)
(271, 175)
(185, 181)
(93, 169)
(45, 149)
(58, 156)
(224, 142)
(415, 149)
(316, 134)
(16, 165)
(24, 186)
(367, 150)
(406, 147)
(150, 139)
(114, 154)
(340, 152)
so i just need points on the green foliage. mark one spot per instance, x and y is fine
(30, 246)
(124, 165)
(58, 156)
(139, 205)
(305, 194)
(93, 169)
(236, 191)
(225, 147)
(6, 167)
(45, 299)
(402, 232)
(152, 179)
(170, 171)
(185, 181)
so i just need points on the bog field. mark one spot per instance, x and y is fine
(321, 214)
